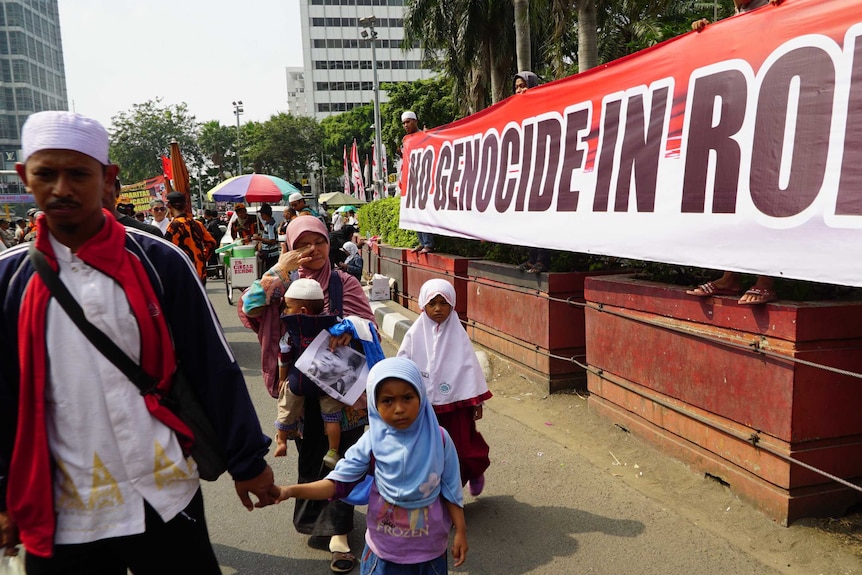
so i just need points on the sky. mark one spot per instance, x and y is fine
(206, 53)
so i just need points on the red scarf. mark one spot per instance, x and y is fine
(30, 492)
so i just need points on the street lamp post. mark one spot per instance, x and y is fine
(368, 22)
(237, 110)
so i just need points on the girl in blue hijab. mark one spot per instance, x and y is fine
(416, 496)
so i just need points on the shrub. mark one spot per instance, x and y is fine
(381, 218)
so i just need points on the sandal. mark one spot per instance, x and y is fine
(342, 562)
(537, 269)
(758, 296)
(710, 289)
(525, 267)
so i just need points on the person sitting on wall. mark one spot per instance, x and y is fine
(730, 283)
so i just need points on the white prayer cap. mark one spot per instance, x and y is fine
(304, 289)
(59, 130)
(408, 115)
(295, 197)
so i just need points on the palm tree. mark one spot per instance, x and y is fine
(473, 42)
(588, 54)
(522, 34)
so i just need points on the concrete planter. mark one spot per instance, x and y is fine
(423, 267)
(526, 318)
(370, 259)
(391, 262)
(680, 372)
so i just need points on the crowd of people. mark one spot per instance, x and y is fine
(69, 435)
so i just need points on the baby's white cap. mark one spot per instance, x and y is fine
(304, 289)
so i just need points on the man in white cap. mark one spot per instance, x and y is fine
(411, 126)
(297, 202)
(95, 475)
(410, 122)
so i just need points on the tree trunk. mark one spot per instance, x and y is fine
(522, 34)
(588, 52)
(498, 78)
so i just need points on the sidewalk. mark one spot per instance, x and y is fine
(569, 426)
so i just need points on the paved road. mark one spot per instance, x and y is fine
(550, 506)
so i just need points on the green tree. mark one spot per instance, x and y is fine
(431, 100)
(218, 144)
(340, 130)
(285, 145)
(473, 41)
(142, 135)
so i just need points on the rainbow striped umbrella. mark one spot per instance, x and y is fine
(252, 188)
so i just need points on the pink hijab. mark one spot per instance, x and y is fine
(269, 327)
(355, 300)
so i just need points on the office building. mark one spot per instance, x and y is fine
(296, 102)
(32, 75)
(337, 60)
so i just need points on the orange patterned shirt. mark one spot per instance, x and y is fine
(193, 238)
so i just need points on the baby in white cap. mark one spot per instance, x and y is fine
(304, 296)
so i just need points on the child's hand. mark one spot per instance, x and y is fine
(285, 493)
(281, 449)
(459, 548)
(338, 341)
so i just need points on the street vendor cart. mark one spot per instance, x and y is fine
(240, 267)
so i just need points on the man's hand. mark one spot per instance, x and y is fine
(263, 487)
(8, 534)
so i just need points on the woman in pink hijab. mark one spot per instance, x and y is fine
(308, 242)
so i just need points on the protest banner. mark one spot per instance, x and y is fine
(735, 148)
(141, 193)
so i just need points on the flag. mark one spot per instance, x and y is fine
(346, 173)
(377, 185)
(366, 172)
(358, 187)
(180, 175)
(166, 168)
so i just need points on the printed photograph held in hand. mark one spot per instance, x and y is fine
(341, 374)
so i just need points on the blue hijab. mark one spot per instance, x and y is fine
(414, 466)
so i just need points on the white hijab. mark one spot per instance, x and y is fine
(444, 352)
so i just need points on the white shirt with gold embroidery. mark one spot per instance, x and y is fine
(111, 453)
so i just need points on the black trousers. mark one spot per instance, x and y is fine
(180, 546)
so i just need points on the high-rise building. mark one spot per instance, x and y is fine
(32, 75)
(337, 60)
(296, 101)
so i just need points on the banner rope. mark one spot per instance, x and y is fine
(753, 347)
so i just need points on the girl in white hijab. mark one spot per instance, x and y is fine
(454, 381)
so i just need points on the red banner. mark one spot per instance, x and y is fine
(735, 148)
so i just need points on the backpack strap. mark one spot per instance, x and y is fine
(336, 294)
